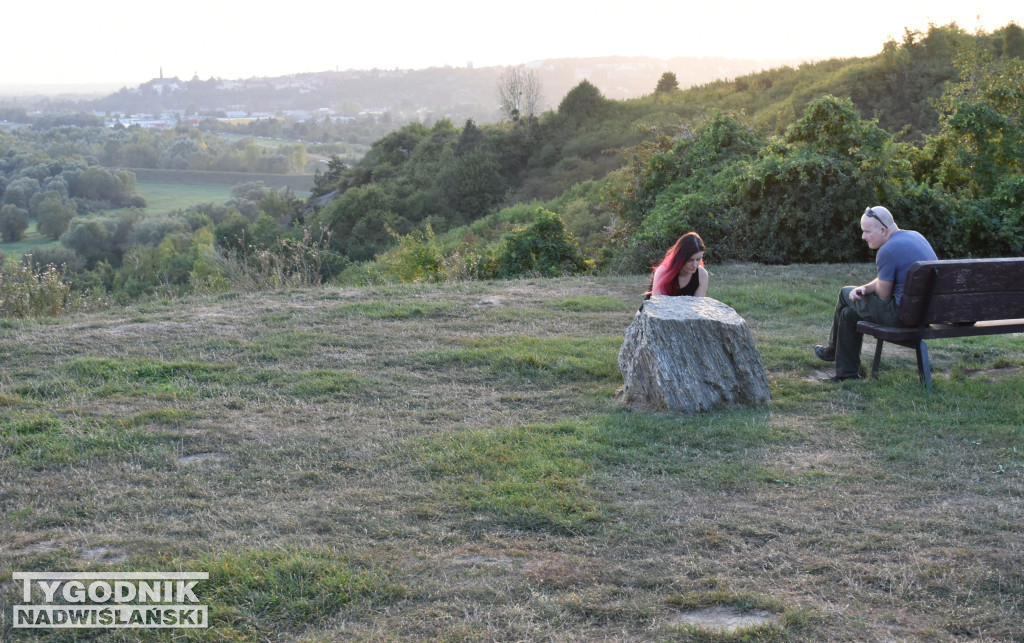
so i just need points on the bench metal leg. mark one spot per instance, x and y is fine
(878, 358)
(924, 367)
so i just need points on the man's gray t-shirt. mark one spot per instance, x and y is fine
(903, 249)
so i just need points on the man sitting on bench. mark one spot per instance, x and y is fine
(878, 299)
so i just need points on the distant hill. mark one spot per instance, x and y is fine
(441, 90)
(58, 91)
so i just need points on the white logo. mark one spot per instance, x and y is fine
(111, 600)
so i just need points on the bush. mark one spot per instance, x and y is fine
(60, 256)
(28, 292)
(417, 258)
(542, 248)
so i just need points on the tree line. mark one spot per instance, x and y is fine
(773, 166)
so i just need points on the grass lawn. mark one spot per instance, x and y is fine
(162, 198)
(450, 462)
(32, 239)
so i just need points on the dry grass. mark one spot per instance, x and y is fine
(450, 462)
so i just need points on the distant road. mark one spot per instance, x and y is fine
(301, 184)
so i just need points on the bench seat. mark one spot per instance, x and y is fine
(953, 298)
(903, 335)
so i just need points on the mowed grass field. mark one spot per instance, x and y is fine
(450, 462)
(162, 198)
(167, 190)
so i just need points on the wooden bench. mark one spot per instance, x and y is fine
(959, 298)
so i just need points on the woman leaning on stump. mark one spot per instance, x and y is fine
(681, 272)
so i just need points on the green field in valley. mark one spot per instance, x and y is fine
(162, 198)
(167, 190)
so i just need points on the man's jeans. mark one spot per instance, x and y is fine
(844, 338)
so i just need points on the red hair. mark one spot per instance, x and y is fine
(685, 247)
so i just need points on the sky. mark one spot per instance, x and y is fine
(119, 43)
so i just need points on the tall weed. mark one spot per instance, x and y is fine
(28, 291)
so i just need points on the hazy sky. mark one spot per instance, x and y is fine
(75, 41)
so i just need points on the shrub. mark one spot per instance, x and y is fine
(543, 247)
(28, 292)
(56, 255)
(417, 258)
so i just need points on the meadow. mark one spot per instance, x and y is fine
(162, 198)
(451, 462)
(168, 190)
(32, 239)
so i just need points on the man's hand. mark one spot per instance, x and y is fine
(858, 292)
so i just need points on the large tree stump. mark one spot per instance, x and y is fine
(690, 354)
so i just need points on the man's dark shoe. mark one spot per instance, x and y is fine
(835, 379)
(825, 353)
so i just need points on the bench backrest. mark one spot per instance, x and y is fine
(965, 290)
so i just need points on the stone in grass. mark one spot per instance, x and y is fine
(690, 354)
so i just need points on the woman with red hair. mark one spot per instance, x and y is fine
(682, 271)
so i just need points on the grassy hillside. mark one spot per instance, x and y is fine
(450, 462)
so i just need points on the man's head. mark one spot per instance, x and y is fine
(877, 226)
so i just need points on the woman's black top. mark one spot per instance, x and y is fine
(688, 290)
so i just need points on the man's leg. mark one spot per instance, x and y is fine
(841, 305)
(848, 343)
(848, 340)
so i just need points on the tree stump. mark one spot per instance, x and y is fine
(690, 354)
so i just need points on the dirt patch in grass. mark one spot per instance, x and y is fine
(721, 619)
(993, 373)
(208, 456)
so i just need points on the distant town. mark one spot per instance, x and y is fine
(445, 92)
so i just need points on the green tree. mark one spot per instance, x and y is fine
(667, 84)
(280, 205)
(473, 185)
(53, 214)
(101, 238)
(979, 143)
(690, 182)
(977, 155)
(96, 183)
(470, 139)
(417, 258)
(583, 102)
(1013, 41)
(362, 220)
(231, 233)
(20, 191)
(13, 222)
(324, 182)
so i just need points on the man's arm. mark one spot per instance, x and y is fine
(878, 286)
(883, 288)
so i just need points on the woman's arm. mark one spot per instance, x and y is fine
(654, 282)
(702, 282)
